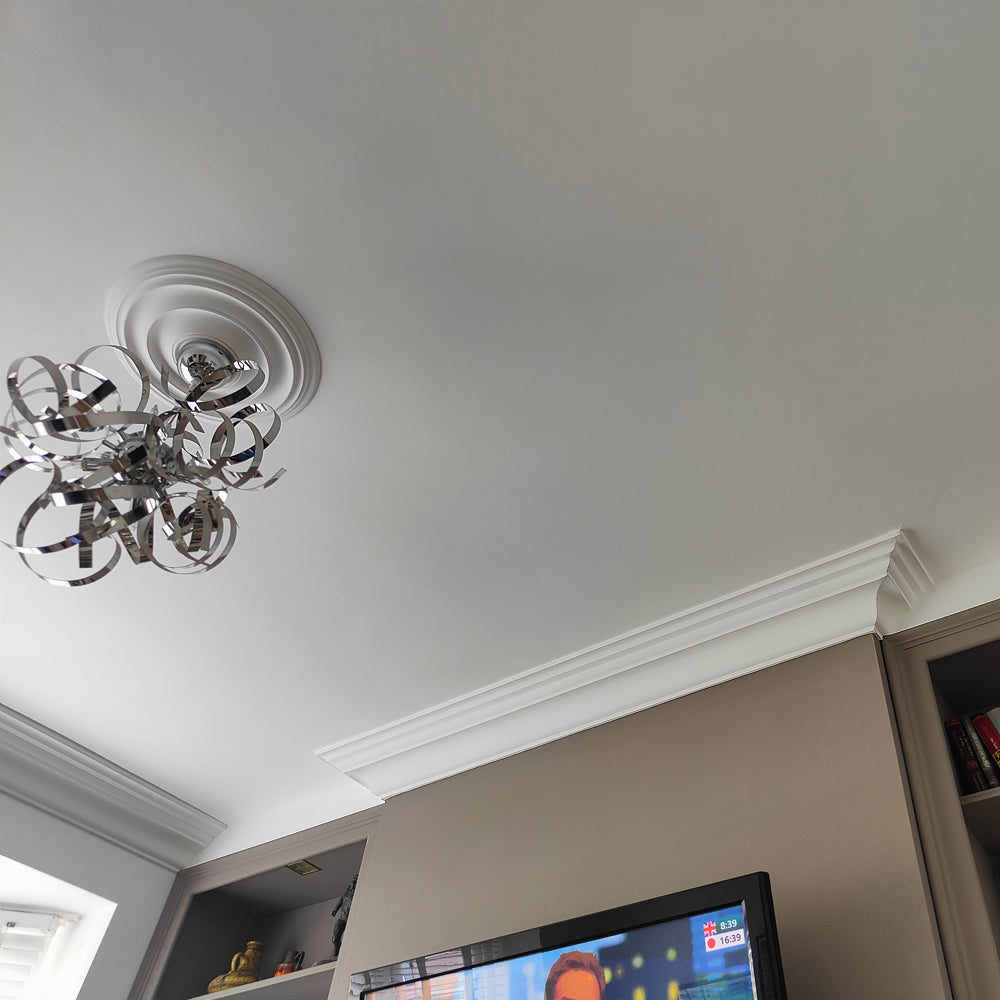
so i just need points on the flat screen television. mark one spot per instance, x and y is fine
(713, 942)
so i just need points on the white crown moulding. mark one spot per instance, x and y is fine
(62, 778)
(813, 607)
(165, 307)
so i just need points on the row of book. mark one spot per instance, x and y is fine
(975, 747)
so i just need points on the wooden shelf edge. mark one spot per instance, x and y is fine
(982, 816)
(275, 987)
(976, 797)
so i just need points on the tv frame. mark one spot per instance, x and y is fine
(752, 891)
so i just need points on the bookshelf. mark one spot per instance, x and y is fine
(934, 672)
(215, 908)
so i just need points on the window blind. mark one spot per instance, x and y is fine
(25, 936)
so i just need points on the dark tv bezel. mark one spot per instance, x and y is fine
(752, 891)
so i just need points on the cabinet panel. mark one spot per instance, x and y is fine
(951, 668)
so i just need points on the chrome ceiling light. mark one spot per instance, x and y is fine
(142, 460)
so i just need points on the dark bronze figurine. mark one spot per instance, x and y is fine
(341, 911)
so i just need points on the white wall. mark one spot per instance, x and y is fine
(139, 887)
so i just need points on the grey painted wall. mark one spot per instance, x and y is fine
(139, 887)
(792, 770)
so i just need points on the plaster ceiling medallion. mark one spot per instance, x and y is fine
(225, 352)
(167, 309)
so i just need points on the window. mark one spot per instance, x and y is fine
(26, 940)
(50, 931)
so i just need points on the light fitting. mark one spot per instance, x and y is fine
(215, 349)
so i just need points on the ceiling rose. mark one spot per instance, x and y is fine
(167, 308)
(225, 352)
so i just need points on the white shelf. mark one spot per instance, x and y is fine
(306, 984)
(982, 814)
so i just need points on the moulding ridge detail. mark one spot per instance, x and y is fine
(62, 778)
(906, 572)
(808, 608)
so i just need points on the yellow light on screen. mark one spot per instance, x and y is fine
(637, 961)
(673, 990)
(671, 954)
(638, 993)
(607, 974)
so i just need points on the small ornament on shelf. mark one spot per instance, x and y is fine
(292, 962)
(341, 912)
(242, 970)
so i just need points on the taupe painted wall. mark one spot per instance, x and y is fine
(792, 770)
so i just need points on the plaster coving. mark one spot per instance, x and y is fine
(845, 595)
(64, 779)
(818, 605)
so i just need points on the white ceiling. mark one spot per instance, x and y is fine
(622, 307)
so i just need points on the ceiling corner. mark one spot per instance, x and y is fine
(811, 607)
(62, 778)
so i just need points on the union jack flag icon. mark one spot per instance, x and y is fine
(709, 928)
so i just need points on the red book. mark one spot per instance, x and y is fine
(989, 735)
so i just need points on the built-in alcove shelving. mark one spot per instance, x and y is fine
(217, 907)
(280, 908)
(936, 672)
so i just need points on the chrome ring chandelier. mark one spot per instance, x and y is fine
(152, 483)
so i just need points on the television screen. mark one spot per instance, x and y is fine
(715, 942)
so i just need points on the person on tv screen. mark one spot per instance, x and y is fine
(575, 975)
